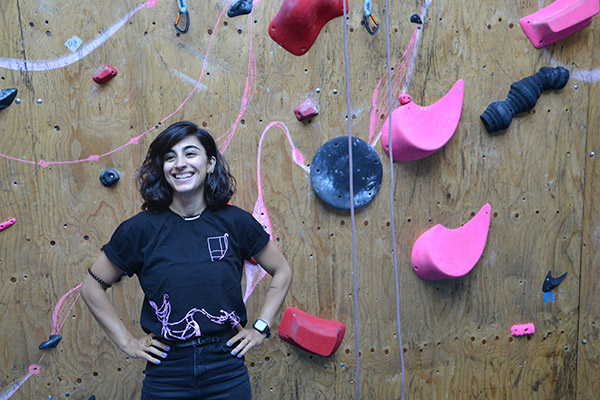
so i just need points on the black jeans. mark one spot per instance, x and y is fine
(204, 370)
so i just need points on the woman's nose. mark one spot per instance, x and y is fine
(180, 162)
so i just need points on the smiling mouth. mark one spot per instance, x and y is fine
(184, 176)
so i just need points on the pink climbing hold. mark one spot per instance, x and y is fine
(299, 22)
(405, 98)
(442, 253)
(558, 20)
(523, 329)
(7, 223)
(310, 333)
(417, 131)
(306, 110)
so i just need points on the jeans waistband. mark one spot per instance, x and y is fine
(205, 339)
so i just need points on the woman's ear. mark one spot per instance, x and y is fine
(211, 165)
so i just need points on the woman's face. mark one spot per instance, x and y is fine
(186, 166)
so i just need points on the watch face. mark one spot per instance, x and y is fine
(260, 325)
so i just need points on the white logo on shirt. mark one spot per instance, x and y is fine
(217, 247)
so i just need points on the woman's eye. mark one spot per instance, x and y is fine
(169, 158)
(191, 154)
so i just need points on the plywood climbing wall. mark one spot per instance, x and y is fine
(421, 339)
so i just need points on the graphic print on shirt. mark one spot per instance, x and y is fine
(217, 247)
(187, 327)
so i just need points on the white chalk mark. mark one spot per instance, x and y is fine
(45, 65)
(191, 80)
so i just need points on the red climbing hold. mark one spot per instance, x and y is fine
(299, 22)
(310, 333)
(306, 110)
(105, 74)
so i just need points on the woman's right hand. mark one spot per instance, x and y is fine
(148, 348)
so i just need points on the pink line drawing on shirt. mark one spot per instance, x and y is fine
(190, 327)
(217, 247)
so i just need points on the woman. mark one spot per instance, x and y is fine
(187, 249)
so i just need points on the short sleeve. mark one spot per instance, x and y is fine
(256, 238)
(125, 247)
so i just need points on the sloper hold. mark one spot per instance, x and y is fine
(6, 97)
(310, 333)
(442, 253)
(299, 22)
(558, 20)
(239, 7)
(417, 131)
(51, 343)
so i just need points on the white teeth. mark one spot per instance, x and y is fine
(183, 176)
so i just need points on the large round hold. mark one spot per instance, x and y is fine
(330, 173)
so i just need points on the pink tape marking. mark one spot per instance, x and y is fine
(380, 104)
(255, 273)
(46, 65)
(248, 92)
(61, 312)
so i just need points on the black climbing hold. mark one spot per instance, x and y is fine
(109, 177)
(416, 19)
(50, 343)
(550, 282)
(522, 97)
(330, 177)
(6, 97)
(239, 7)
(92, 397)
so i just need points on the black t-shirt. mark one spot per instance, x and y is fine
(190, 270)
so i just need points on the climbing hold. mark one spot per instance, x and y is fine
(109, 177)
(35, 369)
(524, 329)
(239, 7)
(558, 20)
(299, 22)
(522, 97)
(50, 343)
(306, 110)
(442, 253)
(105, 74)
(6, 97)
(405, 99)
(310, 333)
(417, 131)
(416, 19)
(550, 282)
(7, 223)
(330, 173)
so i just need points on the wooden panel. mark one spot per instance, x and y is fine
(538, 177)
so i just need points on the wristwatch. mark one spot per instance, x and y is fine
(262, 327)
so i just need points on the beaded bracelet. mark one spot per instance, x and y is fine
(100, 281)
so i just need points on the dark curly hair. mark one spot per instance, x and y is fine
(219, 186)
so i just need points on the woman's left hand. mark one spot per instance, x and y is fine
(245, 339)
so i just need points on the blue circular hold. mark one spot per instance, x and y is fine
(330, 173)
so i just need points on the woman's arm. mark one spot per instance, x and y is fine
(271, 259)
(94, 296)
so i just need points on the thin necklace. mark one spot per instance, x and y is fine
(190, 218)
(187, 218)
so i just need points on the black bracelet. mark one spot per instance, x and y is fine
(100, 281)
